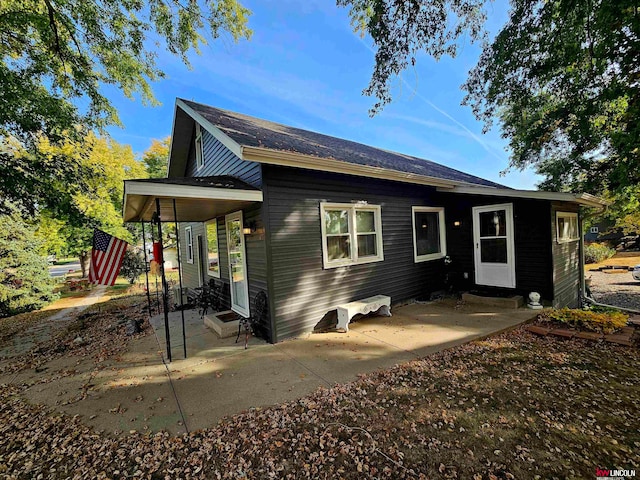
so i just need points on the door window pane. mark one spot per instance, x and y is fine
(367, 245)
(365, 222)
(493, 250)
(236, 261)
(493, 224)
(427, 227)
(336, 221)
(213, 266)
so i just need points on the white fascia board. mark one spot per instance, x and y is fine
(211, 128)
(293, 159)
(582, 198)
(132, 187)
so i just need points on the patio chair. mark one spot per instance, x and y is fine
(258, 322)
(209, 296)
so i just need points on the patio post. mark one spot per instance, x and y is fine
(165, 303)
(175, 221)
(146, 266)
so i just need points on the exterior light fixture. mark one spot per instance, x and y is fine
(457, 223)
(249, 228)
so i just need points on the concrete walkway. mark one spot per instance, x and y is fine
(220, 378)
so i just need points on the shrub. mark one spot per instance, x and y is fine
(132, 266)
(593, 321)
(597, 252)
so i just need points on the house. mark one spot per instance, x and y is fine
(316, 221)
(605, 231)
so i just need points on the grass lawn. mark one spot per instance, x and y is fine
(629, 259)
(514, 406)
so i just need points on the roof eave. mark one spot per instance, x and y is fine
(580, 198)
(310, 162)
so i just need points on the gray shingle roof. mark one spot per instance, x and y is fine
(254, 132)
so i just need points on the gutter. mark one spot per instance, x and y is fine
(299, 160)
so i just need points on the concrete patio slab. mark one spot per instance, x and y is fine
(140, 390)
(219, 377)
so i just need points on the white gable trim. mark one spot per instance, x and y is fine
(211, 128)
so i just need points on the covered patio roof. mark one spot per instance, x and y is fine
(198, 199)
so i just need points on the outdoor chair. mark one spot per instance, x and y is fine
(258, 322)
(208, 296)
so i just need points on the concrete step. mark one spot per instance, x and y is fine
(223, 329)
(515, 301)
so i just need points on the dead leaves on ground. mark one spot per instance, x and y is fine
(512, 406)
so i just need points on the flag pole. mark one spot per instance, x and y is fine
(175, 221)
(165, 304)
(146, 266)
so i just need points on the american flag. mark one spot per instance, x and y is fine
(106, 258)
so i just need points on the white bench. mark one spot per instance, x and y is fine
(346, 311)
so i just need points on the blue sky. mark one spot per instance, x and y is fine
(306, 68)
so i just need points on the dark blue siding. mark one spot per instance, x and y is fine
(305, 294)
(219, 160)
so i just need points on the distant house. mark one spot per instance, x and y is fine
(315, 221)
(605, 232)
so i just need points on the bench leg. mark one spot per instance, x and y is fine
(343, 319)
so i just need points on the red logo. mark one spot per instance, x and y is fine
(602, 473)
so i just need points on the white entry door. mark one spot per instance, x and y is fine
(494, 245)
(237, 264)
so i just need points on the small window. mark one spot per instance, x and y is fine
(594, 230)
(351, 234)
(199, 152)
(213, 265)
(567, 227)
(189, 242)
(429, 238)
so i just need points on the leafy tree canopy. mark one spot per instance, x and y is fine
(57, 55)
(156, 158)
(100, 205)
(402, 29)
(562, 78)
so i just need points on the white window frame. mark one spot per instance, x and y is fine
(567, 216)
(206, 241)
(199, 146)
(353, 235)
(188, 237)
(443, 234)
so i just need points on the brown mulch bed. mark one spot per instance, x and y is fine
(513, 406)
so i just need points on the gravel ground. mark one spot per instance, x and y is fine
(619, 289)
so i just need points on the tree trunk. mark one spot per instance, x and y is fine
(84, 263)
